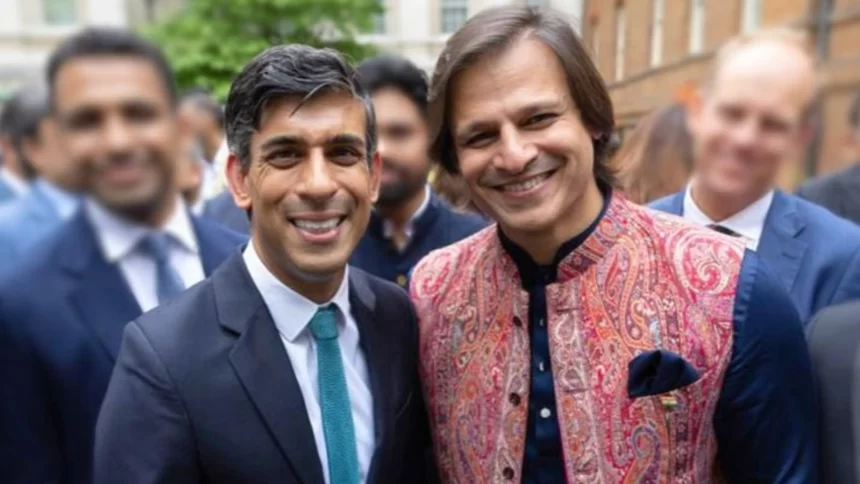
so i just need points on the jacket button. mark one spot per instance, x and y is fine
(514, 399)
(401, 280)
(517, 321)
(508, 473)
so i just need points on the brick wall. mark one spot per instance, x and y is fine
(643, 88)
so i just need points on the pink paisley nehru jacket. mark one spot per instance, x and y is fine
(641, 281)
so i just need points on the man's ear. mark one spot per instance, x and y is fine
(375, 176)
(237, 180)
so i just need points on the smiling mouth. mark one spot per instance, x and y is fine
(318, 226)
(527, 184)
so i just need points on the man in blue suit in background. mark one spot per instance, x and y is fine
(753, 119)
(132, 245)
(15, 169)
(53, 195)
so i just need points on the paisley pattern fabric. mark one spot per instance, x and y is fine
(641, 281)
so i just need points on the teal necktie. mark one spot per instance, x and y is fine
(336, 410)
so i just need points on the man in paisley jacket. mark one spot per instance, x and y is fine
(583, 338)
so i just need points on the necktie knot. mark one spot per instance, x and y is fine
(157, 244)
(324, 323)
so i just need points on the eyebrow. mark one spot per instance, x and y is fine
(529, 109)
(292, 140)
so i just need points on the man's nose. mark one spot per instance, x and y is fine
(516, 151)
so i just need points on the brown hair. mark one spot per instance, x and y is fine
(493, 30)
(657, 158)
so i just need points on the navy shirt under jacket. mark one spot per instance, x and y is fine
(754, 402)
(437, 226)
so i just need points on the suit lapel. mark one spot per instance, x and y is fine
(100, 295)
(263, 367)
(781, 246)
(372, 342)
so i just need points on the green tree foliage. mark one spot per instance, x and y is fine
(208, 41)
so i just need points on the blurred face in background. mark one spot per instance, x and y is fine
(403, 142)
(116, 121)
(44, 153)
(203, 126)
(752, 120)
(190, 171)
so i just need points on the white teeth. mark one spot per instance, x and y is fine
(317, 225)
(526, 185)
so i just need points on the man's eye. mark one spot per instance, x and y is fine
(539, 119)
(344, 155)
(283, 156)
(479, 140)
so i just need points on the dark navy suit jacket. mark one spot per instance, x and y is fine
(204, 390)
(815, 253)
(62, 314)
(223, 209)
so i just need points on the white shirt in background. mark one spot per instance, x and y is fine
(749, 222)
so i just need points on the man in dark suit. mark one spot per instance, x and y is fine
(409, 220)
(16, 171)
(742, 138)
(53, 195)
(132, 245)
(222, 209)
(286, 365)
(834, 345)
(839, 192)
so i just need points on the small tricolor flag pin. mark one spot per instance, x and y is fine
(669, 402)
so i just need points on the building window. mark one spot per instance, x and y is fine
(454, 14)
(697, 26)
(620, 40)
(59, 12)
(379, 26)
(657, 32)
(751, 15)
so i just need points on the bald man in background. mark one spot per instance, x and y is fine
(753, 118)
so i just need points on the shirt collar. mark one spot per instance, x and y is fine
(749, 222)
(283, 300)
(16, 184)
(199, 205)
(118, 236)
(388, 229)
(64, 202)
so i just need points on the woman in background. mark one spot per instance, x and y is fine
(657, 158)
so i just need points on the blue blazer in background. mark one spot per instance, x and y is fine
(63, 310)
(222, 209)
(814, 252)
(23, 222)
(6, 192)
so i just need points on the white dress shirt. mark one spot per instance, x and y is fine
(18, 186)
(749, 222)
(292, 314)
(119, 239)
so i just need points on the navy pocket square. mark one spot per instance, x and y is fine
(659, 371)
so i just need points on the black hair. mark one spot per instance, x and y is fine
(395, 72)
(105, 41)
(288, 70)
(20, 120)
(201, 99)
